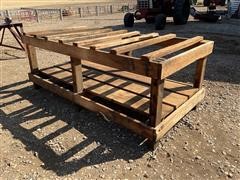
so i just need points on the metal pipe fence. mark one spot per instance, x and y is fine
(40, 15)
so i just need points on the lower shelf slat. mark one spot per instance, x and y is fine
(128, 93)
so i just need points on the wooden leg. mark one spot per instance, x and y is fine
(200, 72)
(77, 75)
(157, 89)
(32, 57)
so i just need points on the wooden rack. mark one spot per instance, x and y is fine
(102, 75)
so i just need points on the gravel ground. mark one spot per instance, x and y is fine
(46, 137)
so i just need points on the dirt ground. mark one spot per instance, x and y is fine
(43, 136)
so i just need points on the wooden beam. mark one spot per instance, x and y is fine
(77, 34)
(75, 39)
(182, 60)
(104, 39)
(58, 31)
(77, 75)
(156, 98)
(178, 114)
(200, 71)
(32, 57)
(142, 44)
(121, 62)
(108, 44)
(173, 48)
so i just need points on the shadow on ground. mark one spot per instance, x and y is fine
(8, 54)
(110, 141)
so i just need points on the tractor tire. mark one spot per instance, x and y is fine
(181, 11)
(206, 3)
(128, 20)
(150, 20)
(222, 2)
(160, 21)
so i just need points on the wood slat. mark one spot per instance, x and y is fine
(96, 35)
(182, 60)
(59, 31)
(123, 41)
(173, 48)
(142, 44)
(78, 34)
(103, 39)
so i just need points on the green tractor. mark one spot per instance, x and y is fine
(156, 11)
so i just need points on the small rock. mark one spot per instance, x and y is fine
(103, 169)
(145, 175)
(230, 175)
(128, 168)
(224, 153)
(35, 154)
(102, 176)
(96, 166)
(149, 165)
(130, 161)
(9, 164)
(168, 154)
(198, 157)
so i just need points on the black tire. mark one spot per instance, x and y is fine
(181, 11)
(160, 21)
(223, 2)
(206, 2)
(128, 20)
(150, 20)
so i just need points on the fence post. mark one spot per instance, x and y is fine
(61, 14)
(37, 15)
(97, 13)
(111, 9)
(80, 12)
(8, 14)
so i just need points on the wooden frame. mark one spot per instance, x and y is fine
(103, 76)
